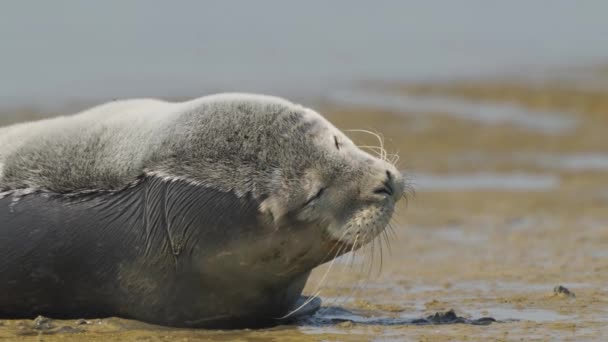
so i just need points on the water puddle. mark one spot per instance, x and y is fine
(476, 287)
(602, 254)
(510, 286)
(519, 224)
(484, 181)
(339, 320)
(489, 113)
(535, 315)
(568, 162)
(575, 162)
(458, 235)
(341, 317)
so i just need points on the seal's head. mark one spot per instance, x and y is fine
(338, 186)
(296, 163)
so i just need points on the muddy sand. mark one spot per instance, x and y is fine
(506, 237)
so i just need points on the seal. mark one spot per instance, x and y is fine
(206, 213)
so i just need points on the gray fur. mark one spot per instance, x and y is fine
(109, 146)
(261, 145)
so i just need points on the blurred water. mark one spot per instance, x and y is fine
(485, 181)
(588, 161)
(53, 52)
(489, 113)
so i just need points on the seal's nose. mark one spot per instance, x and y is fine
(390, 186)
(387, 187)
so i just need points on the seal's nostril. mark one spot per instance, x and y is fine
(385, 189)
(387, 185)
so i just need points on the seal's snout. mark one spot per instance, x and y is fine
(388, 185)
(398, 184)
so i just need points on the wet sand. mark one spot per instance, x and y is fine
(503, 213)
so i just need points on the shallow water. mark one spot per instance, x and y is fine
(576, 162)
(485, 181)
(489, 113)
(586, 161)
(534, 315)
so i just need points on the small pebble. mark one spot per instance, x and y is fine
(563, 292)
(42, 323)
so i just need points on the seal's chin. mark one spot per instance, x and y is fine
(338, 247)
(361, 227)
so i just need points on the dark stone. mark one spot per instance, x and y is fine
(562, 291)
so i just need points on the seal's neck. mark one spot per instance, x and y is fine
(211, 231)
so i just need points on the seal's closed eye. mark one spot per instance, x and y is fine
(315, 197)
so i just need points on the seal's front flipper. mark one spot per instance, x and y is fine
(304, 307)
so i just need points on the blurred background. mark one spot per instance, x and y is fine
(498, 111)
(62, 52)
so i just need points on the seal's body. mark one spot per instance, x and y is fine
(207, 213)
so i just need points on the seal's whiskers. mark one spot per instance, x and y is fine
(320, 284)
(383, 154)
(317, 291)
(361, 281)
(369, 252)
(352, 257)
